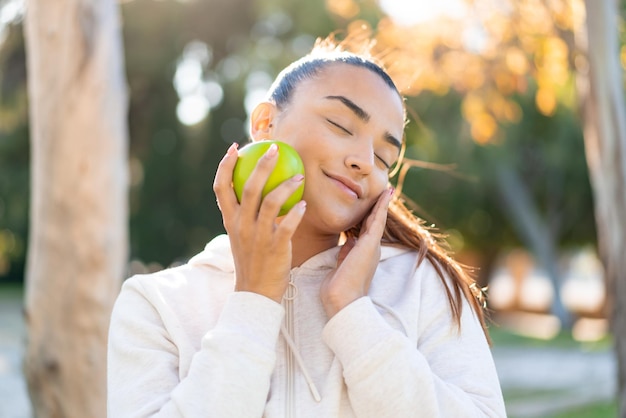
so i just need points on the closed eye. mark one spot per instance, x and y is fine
(336, 125)
(383, 161)
(347, 132)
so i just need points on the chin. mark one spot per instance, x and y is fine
(336, 223)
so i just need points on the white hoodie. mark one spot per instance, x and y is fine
(182, 343)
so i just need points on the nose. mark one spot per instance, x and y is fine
(361, 159)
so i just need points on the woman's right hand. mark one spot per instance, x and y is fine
(261, 246)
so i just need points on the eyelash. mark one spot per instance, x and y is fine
(387, 166)
(335, 124)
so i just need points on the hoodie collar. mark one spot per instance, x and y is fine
(217, 254)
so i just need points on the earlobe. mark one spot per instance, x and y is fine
(261, 121)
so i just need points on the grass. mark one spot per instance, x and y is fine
(504, 337)
(596, 410)
(10, 295)
(518, 394)
(11, 290)
(507, 338)
(605, 409)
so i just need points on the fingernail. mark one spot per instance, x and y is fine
(272, 151)
(232, 150)
(297, 178)
(391, 191)
(301, 205)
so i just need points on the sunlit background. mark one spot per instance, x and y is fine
(491, 92)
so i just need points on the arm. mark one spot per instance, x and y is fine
(448, 374)
(228, 377)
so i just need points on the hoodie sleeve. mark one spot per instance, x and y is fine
(143, 375)
(450, 373)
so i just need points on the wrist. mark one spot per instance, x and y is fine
(332, 305)
(272, 294)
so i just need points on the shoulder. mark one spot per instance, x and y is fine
(409, 263)
(186, 288)
(426, 278)
(404, 273)
(163, 281)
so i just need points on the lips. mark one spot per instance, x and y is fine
(348, 184)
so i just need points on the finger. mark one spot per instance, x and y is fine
(374, 225)
(222, 183)
(252, 193)
(289, 223)
(274, 200)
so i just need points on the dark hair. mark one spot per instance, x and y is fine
(403, 227)
(309, 66)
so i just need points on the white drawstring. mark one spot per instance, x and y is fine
(296, 354)
(294, 350)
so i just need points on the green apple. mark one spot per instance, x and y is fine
(288, 165)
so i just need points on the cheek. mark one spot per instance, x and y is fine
(380, 181)
(313, 153)
(309, 163)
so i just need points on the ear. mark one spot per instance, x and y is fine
(261, 121)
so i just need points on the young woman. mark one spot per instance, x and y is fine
(344, 307)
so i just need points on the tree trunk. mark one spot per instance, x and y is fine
(78, 234)
(533, 231)
(601, 89)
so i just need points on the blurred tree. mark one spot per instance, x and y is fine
(495, 58)
(77, 247)
(600, 78)
(182, 51)
(14, 149)
(506, 68)
(172, 210)
(496, 54)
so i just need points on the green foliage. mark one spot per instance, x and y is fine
(172, 207)
(547, 152)
(14, 156)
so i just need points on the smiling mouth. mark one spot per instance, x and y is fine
(347, 185)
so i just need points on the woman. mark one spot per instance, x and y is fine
(276, 318)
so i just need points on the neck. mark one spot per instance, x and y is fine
(306, 245)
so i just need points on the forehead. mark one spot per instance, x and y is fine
(359, 84)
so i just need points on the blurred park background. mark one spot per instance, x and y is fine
(495, 146)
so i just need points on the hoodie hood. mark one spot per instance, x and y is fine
(217, 254)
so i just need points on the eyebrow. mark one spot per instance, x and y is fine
(365, 117)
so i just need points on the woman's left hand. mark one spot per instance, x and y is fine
(357, 261)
